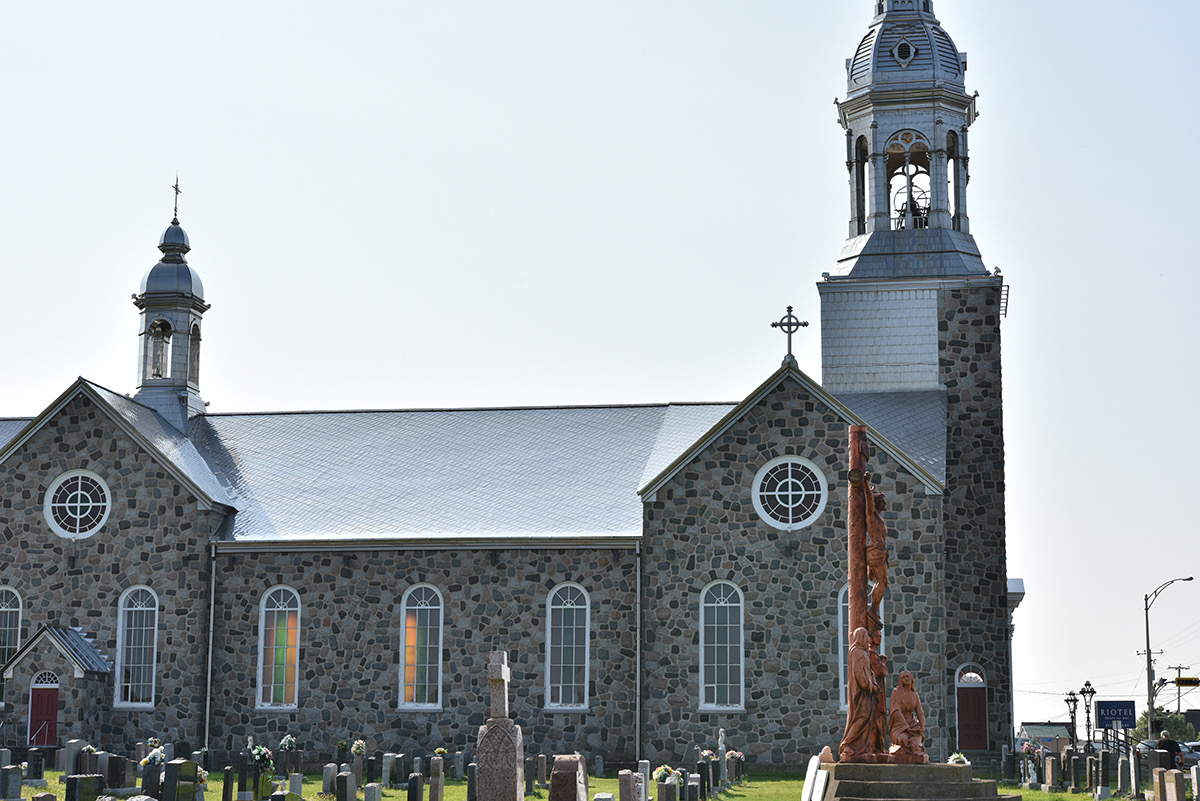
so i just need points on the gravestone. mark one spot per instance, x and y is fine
(603, 797)
(343, 786)
(693, 788)
(1093, 773)
(639, 786)
(1158, 783)
(296, 783)
(1124, 779)
(1195, 781)
(702, 773)
(1106, 768)
(1077, 772)
(372, 770)
(71, 756)
(626, 787)
(6, 757)
(460, 765)
(820, 785)
(244, 792)
(543, 774)
(151, 780)
(328, 773)
(44, 797)
(1053, 775)
(668, 790)
(437, 778)
(373, 791)
(529, 775)
(416, 787)
(389, 770)
(37, 764)
(10, 783)
(471, 793)
(598, 762)
(569, 780)
(1159, 759)
(84, 787)
(345, 768)
(180, 780)
(102, 760)
(228, 784)
(1008, 769)
(810, 778)
(501, 751)
(358, 771)
(1176, 786)
(644, 769)
(721, 756)
(115, 777)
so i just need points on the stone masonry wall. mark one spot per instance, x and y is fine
(702, 527)
(155, 536)
(976, 572)
(350, 631)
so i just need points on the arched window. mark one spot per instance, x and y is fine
(137, 642)
(567, 631)
(844, 639)
(862, 158)
(421, 649)
(722, 647)
(158, 353)
(279, 647)
(10, 627)
(971, 694)
(194, 357)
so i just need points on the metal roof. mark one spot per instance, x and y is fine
(10, 427)
(915, 421)
(72, 643)
(568, 472)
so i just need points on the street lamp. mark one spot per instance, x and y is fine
(1149, 661)
(1087, 691)
(1072, 701)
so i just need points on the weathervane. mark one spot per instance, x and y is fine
(790, 324)
(178, 192)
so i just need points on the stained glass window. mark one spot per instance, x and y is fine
(421, 649)
(279, 635)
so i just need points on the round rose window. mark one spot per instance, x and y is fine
(77, 504)
(789, 492)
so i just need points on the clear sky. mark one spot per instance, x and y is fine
(481, 203)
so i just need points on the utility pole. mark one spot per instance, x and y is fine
(1178, 692)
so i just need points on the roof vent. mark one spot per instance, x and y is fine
(904, 52)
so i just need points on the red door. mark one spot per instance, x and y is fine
(43, 716)
(972, 719)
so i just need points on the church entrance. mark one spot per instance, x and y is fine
(43, 710)
(971, 687)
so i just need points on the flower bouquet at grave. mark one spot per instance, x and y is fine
(88, 749)
(288, 743)
(153, 743)
(664, 772)
(155, 757)
(359, 748)
(24, 769)
(958, 759)
(262, 758)
(707, 755)
(439, 752)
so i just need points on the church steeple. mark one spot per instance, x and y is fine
(906, 116)
(172, 307)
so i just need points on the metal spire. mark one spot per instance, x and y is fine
(790, 325)
(178, 192)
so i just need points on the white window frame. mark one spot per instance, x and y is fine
(587, 651)
(843, 617)
(441, 634)
(259, 703)
(703, 677)
(17, 639)
(48, 499)
(767, 517)
(121, 635)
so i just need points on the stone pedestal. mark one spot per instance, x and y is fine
(920, 782)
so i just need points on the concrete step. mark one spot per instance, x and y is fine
(924, 774)
(930, 791)
(999, 798)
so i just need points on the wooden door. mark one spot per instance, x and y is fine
(972, 719)
(43, 716)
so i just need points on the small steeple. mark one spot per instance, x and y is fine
(172, 307)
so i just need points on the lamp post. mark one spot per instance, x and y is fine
(1150, 599)
(1072, 701)
(1086, 692)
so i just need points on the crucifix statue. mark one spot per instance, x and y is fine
(790, 325)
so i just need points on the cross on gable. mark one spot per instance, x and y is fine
(790, 325)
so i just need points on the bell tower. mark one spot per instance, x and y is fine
(906, 117)
(172, 307)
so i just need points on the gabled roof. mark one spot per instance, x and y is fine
(80, 651)
(170, 447)
(785, 373)
(1046, 731)
(10, 427)
(532, 473)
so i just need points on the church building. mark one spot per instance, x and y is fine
(655, 572)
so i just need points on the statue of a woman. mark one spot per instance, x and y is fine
(907, 723)
(862, 694)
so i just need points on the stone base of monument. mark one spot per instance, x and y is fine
(856, 782)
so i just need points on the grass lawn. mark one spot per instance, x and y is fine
(763, 788)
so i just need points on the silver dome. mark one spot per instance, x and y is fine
(174, 236)
(905, 48)
(172, 275)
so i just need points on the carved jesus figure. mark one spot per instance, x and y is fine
(907, 720)
(877, 548)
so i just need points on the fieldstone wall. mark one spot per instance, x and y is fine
(155, 535)
(976, 556)
(702, 527)
(350, 635)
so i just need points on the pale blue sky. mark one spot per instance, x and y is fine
(400, 204)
